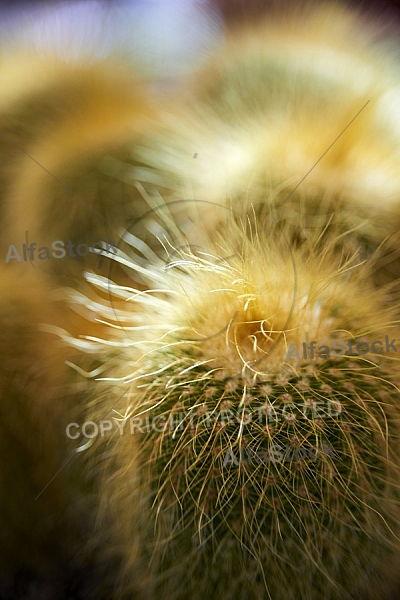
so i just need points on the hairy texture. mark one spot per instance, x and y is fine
(196, 399)
(253, 210)
(310, 95)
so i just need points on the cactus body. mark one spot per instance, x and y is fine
(249, 466)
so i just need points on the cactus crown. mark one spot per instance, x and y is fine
(257, 465)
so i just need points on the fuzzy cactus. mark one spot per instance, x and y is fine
(250, 466)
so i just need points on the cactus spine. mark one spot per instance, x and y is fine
(259, 473)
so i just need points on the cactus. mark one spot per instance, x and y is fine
(247, 470)
(249, 467)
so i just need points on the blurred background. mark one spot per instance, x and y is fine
(165, 37)
(168, 37)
